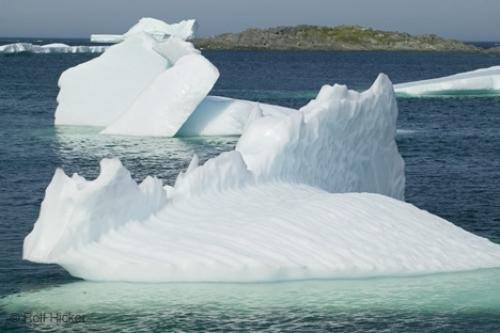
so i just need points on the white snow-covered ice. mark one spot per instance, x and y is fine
(263, 212)
(137, 87)
(227, 116)
(268, 232)
(342, 141)
(50, 48)
(163, 107)
(478, 81)
(97, 92)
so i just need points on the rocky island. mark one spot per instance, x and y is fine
(341, 38)
(494, 49)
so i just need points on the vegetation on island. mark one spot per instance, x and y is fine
(342, 38)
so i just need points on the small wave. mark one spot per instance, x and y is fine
(50, 48)
(405, 131)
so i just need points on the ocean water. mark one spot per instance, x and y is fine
(451, 146)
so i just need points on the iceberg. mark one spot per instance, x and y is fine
(153, 83)
(271, 232)
(266, 211)
(481, 81)
(50, 48)
(160, 30)
(16, 48)
(138, 87)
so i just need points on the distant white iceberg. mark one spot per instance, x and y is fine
(153, 83)
(50, 48)
(263, 212)
(481, 81)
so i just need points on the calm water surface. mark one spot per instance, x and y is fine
(452, 151)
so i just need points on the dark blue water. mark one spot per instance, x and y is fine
(452, 151)
(484, 44)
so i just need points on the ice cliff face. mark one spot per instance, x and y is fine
(264, 212)
(165, 105)
(97, 92)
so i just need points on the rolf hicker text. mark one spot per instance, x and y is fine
(48, 317)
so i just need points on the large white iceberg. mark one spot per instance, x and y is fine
(485, 80)
(158, 29)
(262, 212)
(270, 232)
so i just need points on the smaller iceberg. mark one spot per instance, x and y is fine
(479, 82)
(153, 82)
(50, 48)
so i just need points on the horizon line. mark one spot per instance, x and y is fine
(88, 38)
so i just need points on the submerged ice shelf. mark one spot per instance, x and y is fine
(278, 207)
(466, 293)
(481, 81)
